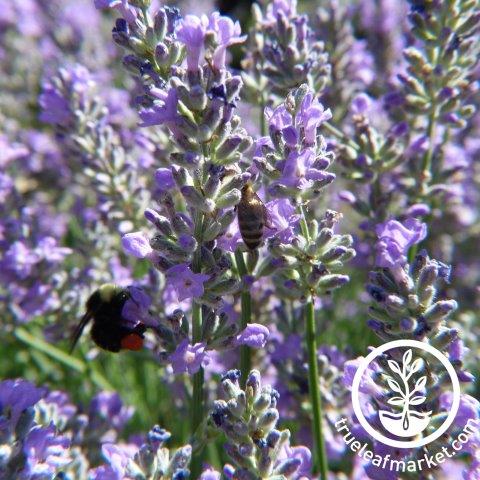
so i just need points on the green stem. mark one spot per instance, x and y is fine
(340, 135)
(245, 352)
(197, 407)
(426, 173)
(320, 455)
(197, 396)
(70, 362)
(263, 126)
(303, 223)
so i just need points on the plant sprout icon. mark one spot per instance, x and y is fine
(400, 423)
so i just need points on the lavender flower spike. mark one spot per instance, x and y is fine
(249, 418)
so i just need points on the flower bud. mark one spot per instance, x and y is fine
(269, 419)
(160, 24)
(254, 382)
(228, 147)
(182, 224)
(262, 403)
(161, 223)
(181, 176)
(196, 200)
(330, 282)
(213, 231)
(181, 458)
(440, 310)
(288, 467)
(230, 199)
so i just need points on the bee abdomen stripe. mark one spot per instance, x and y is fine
(252, 235)
(249, 221)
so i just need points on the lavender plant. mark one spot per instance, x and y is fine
(248, 418)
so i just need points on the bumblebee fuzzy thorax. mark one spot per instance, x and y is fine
(109, 331)
(108, 300)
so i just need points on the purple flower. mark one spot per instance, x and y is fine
(472, 472)
(455, 157)
(48, 249)
(210, 474)
(457, 349)
(361, 104)
(45, 452)
(302, 454)
(19, 259)
(191, 32)
(55, 103)
(187, 242)
(347, 197)
(10, 152)
(469, 408)
(283, 220)
(280, 120)
(171, 301)
(286, 348)
(61, 402)
(311, 116)
(164, 179)
(368, 384)
(122, 6)
(260, 144)
(299, 171)
(253, 335)
(106, 472)
(35, 301)
(362, 63)
(285, 7)
(375, 471)
(15, 397)
(164, 109)
(6, 186)
(117, 459)
(335, 356)
(121, 275)
(186, 283)
(227, 33)
(158, 435)
(108, 406)
(189, 358)
(136, 308)
(418, 210)
(137, 244)
(55, 107)
(395, 238)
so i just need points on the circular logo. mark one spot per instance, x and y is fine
(407, 385)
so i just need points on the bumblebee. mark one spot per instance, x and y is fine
(109, 330)
(252, 217)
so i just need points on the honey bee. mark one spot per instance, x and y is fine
(252, 217)
(108, 331)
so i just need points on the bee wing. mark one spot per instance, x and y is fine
(267, 219)
(79, 329)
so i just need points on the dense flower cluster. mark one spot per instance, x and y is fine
(249, 419)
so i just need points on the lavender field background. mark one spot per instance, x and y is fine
(130, 132)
